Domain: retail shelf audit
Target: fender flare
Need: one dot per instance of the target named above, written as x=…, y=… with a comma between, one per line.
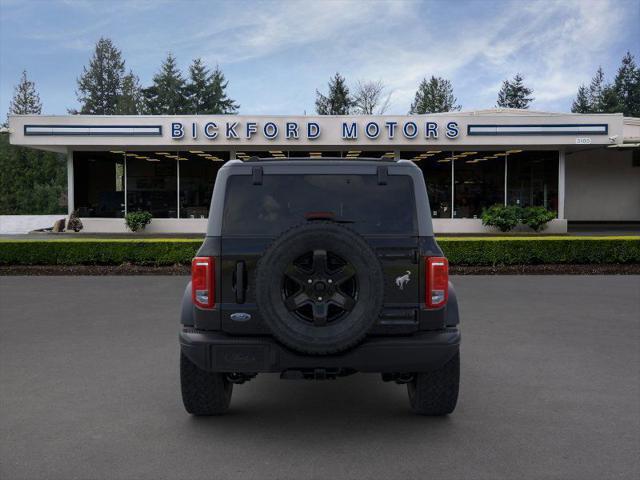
x=452, y=316
x=186, y=311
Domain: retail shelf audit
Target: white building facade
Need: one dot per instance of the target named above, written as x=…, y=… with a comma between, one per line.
x=586, y=168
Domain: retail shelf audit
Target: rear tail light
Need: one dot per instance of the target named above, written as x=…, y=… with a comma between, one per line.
x=437, y=281
x=203, y=281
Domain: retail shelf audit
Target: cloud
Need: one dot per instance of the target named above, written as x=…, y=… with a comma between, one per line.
x=556, y=45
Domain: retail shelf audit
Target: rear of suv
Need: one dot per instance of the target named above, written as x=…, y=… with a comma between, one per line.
x=318, y=269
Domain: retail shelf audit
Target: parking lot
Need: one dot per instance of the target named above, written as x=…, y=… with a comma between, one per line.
x=550, y=388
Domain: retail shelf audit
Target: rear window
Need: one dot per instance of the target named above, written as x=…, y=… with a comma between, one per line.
x=282, y=201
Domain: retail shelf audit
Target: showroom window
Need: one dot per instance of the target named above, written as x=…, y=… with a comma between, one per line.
x=532, y=178
x=152, y=184
x=167, y=184
x=436, y=167
x=478, y=182
x=197, y=171
x=99, y=184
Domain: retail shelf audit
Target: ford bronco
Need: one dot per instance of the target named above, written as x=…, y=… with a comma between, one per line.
x=317, y=269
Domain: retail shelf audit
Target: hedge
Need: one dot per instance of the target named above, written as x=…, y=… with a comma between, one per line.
x=459, y=251
x=540, y=250
x=98, y=252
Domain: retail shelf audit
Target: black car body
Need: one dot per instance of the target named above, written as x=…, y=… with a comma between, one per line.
x=317, y=269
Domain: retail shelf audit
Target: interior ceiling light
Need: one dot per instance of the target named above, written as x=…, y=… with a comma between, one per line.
x=275, y=151
x=500, y=154
x=141, y=157
x=514, y=151
x=444, y=160
x=131, y=154
x=162, y=153
x=354, y=151
x=196, y=151
x=152, y=160
x=116, y=151
x=434, y=151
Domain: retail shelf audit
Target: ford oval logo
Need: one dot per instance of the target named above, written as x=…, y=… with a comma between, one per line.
x=240, y=317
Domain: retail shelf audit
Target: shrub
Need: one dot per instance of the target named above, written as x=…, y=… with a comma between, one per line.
x=503, y=217
x=137, y=220
x=536, y=217
x=75, y=223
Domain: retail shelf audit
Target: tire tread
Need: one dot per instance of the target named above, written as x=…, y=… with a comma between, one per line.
x=435, y=393
x=203, y=392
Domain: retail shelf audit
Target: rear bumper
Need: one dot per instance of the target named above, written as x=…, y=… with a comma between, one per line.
x=416, y=353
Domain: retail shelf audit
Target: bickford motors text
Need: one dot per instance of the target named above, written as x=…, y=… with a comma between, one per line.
x=290, y=130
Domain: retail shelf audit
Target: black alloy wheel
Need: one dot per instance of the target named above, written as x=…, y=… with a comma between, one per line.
x=320, y=287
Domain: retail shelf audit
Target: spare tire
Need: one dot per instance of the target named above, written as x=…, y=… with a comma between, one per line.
x=319, y=288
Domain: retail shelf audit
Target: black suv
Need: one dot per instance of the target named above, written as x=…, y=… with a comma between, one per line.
x=317, y=269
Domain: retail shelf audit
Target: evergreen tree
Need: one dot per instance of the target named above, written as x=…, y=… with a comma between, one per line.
x=433, y=96
x=581, y=104
x=338, y=101
x=130, y=101
x=167, y=95
x=514, y=94
x=31, y=181
x=627, y=86
x=206, y=92
x=596, y=91
x=610, y=101
x=218, y=101
x=196, y=89
x=100, y=85
x=25, y=99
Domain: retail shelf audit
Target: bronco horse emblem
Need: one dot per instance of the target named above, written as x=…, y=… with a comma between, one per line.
x=402, y=280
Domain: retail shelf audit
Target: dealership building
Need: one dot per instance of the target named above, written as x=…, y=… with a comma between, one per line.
x=586, y=168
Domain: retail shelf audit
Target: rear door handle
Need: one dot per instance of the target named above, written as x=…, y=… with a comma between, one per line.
x=240, y=282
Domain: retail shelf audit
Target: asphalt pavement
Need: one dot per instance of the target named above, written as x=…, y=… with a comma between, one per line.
x=550, y=388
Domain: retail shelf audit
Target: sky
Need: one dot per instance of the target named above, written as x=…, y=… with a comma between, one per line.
x=275, y=54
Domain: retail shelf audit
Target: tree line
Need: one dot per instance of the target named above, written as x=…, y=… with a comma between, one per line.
x=33, y=181
x=435, y=95
x=106, y=88
x=621, y=95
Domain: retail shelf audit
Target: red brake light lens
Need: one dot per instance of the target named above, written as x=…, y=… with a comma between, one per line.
x=203, y=281
x=437, y=281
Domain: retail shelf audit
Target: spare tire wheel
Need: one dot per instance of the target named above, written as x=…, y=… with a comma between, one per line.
x=319, y=288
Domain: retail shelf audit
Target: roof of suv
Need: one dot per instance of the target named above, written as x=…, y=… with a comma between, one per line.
x=332, y=161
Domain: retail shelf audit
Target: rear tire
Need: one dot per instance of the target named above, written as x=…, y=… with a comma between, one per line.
x=436, y=393
x=203, y=392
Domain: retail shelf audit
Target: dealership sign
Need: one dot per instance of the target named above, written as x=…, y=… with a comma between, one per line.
x=294, y=130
